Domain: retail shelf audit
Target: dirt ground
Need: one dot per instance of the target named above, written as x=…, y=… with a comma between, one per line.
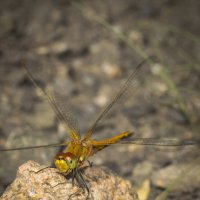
x=83, y=52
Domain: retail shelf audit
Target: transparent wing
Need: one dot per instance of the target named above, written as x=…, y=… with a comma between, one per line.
x=36, y=147
x=70, y=122
x=128, y=86
x=153, y=141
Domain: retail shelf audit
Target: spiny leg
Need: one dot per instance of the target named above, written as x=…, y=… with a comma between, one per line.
x=79, y=190
x=37, y=172
x=82, y=184
x=73, y=176
x=74, y=171
x=90, y=163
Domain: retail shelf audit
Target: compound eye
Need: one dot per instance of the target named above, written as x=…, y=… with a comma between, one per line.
x=71, y=163
x=68, y=160
x=60, y=158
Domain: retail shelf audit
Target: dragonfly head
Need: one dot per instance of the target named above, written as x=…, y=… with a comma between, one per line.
x=66, y=162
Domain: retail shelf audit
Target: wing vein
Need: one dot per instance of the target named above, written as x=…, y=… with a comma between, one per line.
x=116, y=97
x=52, y=102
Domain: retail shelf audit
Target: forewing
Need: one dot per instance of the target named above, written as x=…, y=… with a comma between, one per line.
x=62, y=115
x=68, y=118
x=36, y=147
x=122, y=95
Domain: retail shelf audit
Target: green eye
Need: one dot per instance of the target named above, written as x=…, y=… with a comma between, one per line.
x=72, y=163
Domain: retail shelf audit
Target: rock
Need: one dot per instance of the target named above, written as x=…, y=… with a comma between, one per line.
x=33, y=183
x=183, y=177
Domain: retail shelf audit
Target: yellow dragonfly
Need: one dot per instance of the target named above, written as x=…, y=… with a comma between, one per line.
x=78, y=150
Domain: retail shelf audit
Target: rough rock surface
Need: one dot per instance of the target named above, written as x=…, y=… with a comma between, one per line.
x=33, y=183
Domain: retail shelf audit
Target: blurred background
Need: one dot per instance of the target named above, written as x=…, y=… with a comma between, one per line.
x=83, y=51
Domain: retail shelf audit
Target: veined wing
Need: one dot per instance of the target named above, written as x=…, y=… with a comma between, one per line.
x=69, y=121
x=152, y=141
x=129, y=84
x=36, y=147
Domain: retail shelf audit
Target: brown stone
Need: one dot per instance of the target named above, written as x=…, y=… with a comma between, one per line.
x=47, y=184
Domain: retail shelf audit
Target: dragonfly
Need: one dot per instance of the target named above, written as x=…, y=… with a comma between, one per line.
x=79, y=149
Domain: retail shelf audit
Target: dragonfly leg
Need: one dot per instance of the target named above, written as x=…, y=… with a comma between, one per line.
x=75, y=193
x=59, y=184
x=42, y=169
x=73, y=176
x=82, y=184
x=90, y=163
